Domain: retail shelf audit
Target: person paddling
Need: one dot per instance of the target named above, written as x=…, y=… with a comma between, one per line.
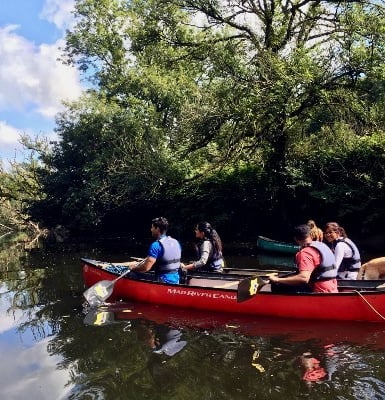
x=163, y=256
x=316, y=266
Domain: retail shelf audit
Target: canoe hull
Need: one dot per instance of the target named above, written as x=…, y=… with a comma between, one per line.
x=345, y=306
x=275, y=246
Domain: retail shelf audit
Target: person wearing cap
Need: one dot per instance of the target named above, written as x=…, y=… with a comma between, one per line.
x=316, y=266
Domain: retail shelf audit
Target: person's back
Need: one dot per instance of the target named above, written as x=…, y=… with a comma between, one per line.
x=322, y=268
x=163, y=256
x=168, y=260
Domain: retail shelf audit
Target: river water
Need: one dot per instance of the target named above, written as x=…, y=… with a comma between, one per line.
x=54, y=347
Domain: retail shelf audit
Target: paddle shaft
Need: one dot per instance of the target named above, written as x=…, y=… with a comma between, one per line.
x=127, y=272
x=124, y=274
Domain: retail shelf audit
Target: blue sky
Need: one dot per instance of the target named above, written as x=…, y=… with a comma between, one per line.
x=33, y=83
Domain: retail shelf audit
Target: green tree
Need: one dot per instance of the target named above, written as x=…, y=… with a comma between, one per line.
x=20, y=187
x=188, y=89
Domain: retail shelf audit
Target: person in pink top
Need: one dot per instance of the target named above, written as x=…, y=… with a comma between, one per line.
x=316, y=267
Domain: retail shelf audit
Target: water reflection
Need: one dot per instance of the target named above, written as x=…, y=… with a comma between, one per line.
x=54, y=348
x=29, y=373
x=279, y=350
x=161, y=339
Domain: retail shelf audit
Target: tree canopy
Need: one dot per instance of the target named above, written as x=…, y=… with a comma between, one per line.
x=217, y=109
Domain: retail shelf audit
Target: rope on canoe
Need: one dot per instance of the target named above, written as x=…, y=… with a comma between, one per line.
x=366, y=301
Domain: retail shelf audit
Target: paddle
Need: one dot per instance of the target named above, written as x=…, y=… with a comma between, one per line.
x=249, y=287
x=102, y=290
x=97, y=316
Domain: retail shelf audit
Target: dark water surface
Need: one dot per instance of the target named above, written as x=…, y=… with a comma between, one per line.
x=53, y=346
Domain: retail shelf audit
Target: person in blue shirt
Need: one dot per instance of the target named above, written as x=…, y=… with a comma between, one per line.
x=163, y=256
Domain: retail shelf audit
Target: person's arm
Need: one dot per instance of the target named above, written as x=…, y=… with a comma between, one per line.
x=145, y=266
x=306, y=260
x=204, y=253
x=154, y=252
x=342, y=250
x=298, y=279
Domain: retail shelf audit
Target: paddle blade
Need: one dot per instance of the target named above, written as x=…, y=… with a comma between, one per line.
x=249, y=287
x=98, y=317
x=99, y=293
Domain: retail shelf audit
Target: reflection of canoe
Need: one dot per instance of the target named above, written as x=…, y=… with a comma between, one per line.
x=219, y=293
x=266, y=244
x=295, y=330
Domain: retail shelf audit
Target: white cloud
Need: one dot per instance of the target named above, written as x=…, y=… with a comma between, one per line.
x=59, y=12
x=32, y=373
x=32, y=77
x=8, y=134
x=8, y=319
x=33, y=82
x=29, y=370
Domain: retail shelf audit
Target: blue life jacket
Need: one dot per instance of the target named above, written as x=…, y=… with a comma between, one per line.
x=170, y=260
x=350, y=263
x=327, y=269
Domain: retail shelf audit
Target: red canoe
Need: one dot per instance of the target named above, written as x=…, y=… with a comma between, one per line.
x=219, y=293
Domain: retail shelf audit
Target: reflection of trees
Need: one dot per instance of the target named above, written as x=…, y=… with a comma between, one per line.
x=115, y=362
x=31, y=286
x=116, y=359
x=21, y=283
x=14, y=250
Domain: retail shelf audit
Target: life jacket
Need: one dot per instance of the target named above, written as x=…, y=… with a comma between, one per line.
x=326, y=269
x=170, y=260
x=215, y=262
x=353, y=263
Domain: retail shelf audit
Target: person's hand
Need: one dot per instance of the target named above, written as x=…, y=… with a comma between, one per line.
x=273, y=278
x=183, y=267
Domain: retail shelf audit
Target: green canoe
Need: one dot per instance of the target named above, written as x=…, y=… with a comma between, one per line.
x=275, y=246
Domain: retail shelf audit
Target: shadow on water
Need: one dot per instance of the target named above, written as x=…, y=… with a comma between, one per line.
x=54, y=346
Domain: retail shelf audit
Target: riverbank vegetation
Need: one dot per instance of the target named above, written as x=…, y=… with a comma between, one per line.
x=252, y=115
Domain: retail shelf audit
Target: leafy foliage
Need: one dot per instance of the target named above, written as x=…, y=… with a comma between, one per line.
x=220, y=109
